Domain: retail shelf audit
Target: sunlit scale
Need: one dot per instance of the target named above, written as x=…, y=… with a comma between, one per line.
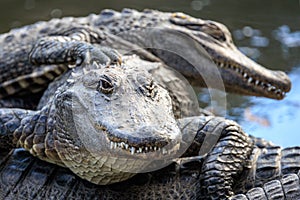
x=249, y=79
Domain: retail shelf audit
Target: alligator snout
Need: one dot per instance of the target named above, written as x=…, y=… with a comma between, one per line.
x=285, y=83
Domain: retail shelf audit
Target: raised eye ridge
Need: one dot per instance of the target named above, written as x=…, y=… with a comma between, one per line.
x=148, y=89
x=105, y=85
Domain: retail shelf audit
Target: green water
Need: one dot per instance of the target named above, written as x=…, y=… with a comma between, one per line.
x=275, y=120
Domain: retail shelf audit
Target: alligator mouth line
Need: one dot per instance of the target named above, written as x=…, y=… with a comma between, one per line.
x=136, y=150
x=266, y=86
x=120, y=143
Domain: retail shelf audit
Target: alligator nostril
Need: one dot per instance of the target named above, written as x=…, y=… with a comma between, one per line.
x=280, y=74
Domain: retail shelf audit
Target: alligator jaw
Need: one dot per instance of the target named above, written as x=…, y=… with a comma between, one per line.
x=149, y=146
x=243, y=76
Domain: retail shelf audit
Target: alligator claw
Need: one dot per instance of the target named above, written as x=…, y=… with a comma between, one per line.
x=100, y=55
x=113, y=55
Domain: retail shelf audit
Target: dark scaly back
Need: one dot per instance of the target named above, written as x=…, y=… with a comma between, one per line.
x=127, y=20
x=24, y=176
x=268, y=163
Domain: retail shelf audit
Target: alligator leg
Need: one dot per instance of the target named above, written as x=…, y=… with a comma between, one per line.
x=234, y=162
x=73, y=46
x=29, y=129
x=228, y=151
x=60, y=49
x=11, y=120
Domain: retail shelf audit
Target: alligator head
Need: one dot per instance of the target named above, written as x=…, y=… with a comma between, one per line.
x=118, y=118
x=184, y=42
x=239, y=73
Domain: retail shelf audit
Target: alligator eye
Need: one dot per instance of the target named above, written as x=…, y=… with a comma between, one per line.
x=208, y=28
x=105, y=85
x=214, y=31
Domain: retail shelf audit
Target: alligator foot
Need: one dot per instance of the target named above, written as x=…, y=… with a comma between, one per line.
x=227, y=149
x=59, y=49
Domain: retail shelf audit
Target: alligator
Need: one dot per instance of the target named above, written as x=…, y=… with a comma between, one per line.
x=26, y=177
x=218, y=158
x=30, y=63
x=202, y=50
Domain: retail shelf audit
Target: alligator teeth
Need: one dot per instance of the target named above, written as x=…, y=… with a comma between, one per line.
x=250, y=80
x=278, y=91
x=270, y=88
x=164, y=151
x=132, y=150
x=122, y=144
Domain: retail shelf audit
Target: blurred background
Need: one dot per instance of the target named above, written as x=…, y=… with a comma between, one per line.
x=267, y=31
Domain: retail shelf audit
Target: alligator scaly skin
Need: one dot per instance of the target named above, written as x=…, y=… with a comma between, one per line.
x=72, y=42
x=23, y=176
x=38, y=131
x=263, y=165
x=185, y=180
x=26, y=177
x=267, y=162
x=204, y=50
